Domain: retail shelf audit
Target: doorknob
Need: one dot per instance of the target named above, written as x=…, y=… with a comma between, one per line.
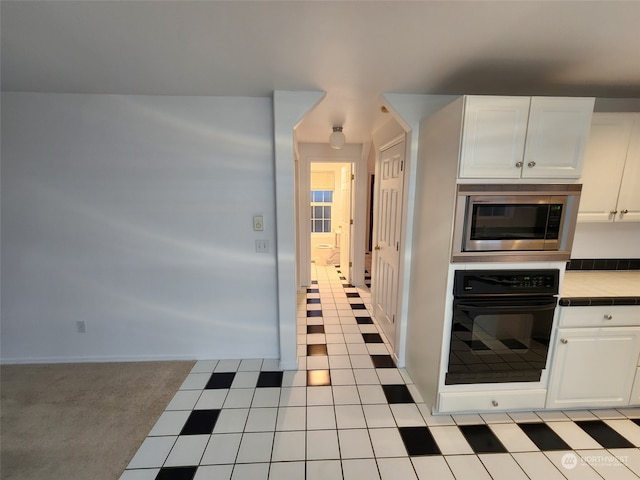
x=377, y=247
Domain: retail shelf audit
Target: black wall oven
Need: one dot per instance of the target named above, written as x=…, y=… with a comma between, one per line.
x=501, y=325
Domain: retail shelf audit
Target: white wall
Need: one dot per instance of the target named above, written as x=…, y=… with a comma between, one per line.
x=607, y=240
x=134, y=214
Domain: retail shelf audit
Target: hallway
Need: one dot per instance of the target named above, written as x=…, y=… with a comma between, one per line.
x=348, y=413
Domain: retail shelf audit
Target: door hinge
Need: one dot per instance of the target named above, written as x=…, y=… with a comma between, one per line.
x=397, y=246
x=401, y=165
x=351, y=222
x=393, y=318
x=351, y=264
x=353, y=176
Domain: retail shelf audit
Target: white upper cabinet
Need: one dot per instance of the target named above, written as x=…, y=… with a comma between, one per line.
x=611, y=175
x=524, y=137
x=493, y=136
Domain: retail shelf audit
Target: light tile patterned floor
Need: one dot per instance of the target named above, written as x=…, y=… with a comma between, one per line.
x=348, y=413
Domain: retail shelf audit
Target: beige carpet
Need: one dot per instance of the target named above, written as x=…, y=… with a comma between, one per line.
x=80, y=421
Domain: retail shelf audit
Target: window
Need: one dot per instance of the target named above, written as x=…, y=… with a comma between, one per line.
x=321, y=211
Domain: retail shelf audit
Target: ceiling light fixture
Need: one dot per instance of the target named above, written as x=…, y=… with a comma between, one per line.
x=336, y=139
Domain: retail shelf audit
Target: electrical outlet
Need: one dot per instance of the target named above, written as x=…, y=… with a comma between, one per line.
x=81, y=326
x=262, y=246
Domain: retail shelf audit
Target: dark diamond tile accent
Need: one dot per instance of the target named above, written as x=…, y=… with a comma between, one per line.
x=313, y=301
x=200, y=422
x=604, y=434
x=482, y=439
x=313, y=290
x=419, y=441
x=358, y=306
x=315, y=328
x=317, y=349
x=314, y=313
x=364, y=321
x=220, y=380
x=347, y=285
x=397, y=394
x=383, y=361
x=270, y=379
x=636, y=421
x=543, y=436
x=352, y=295
x=176, y=473
x=314, y=282
x=372, y=338
x=343, y=278
x=318, y=378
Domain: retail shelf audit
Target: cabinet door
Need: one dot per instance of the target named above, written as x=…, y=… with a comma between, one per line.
x=557, y=136
x=593, y=367
x=604, y=164
x=629, y=200
x=493, y=137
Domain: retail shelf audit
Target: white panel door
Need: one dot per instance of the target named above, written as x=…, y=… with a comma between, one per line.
x=603, y=166
x=345, y=222
x=556, y=137
x=493, y=136
x=386, y=259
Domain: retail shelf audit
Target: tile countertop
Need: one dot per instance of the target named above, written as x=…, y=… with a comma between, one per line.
x=585, y=285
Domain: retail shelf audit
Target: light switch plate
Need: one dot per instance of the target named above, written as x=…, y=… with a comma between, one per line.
x=258, y=223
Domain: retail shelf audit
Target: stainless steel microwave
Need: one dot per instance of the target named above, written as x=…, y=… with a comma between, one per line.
x=512, y=222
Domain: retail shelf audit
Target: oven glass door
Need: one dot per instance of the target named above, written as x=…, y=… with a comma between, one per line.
x=497, y=340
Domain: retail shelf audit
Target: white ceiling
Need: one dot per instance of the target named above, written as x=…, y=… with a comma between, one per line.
x=353, y=50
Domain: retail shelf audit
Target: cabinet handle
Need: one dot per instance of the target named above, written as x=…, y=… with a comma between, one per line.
x=494, y=403
x=563, y=340
x=531, y=164
x=519, y=164
x=608, y=316
x=624, y=212
x=613, y=212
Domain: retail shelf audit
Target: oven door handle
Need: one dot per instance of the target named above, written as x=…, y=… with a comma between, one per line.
x=507, y=308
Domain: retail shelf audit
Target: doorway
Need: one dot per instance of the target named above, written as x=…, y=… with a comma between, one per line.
x=332, y=210
x=330, y=215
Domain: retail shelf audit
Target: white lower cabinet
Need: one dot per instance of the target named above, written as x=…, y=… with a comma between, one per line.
x=594, y=367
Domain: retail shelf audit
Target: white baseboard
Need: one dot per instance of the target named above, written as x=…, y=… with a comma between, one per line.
x=116, y=359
